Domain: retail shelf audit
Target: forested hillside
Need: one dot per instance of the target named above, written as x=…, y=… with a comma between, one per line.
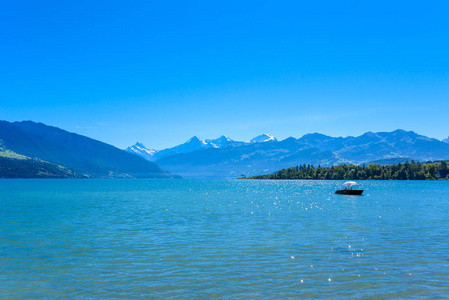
x=32, y=168
x=405, y=171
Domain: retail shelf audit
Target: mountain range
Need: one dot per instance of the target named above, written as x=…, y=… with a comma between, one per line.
x=194, y=144
x=35, y=150
x=265, y=154
x=53, y=152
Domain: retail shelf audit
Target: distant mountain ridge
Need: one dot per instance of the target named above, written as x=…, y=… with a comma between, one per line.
x=193, y=144
x=82, y=155
x=239, y=158
x=263, y=138
x=37, y=150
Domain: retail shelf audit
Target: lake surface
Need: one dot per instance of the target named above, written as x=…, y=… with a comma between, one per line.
x=229, y=239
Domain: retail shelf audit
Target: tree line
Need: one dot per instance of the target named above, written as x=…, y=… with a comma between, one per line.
x=31, y=168
x=405, y=171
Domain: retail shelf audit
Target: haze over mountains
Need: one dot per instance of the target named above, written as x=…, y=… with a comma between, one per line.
x=265, y=154
x=58, y=153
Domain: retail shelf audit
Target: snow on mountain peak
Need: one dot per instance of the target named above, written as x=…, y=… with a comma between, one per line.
x=140, y=145
x=219, y=142
x=194, y=139
x=263, y=138
x=446, y=140
x=141, y=150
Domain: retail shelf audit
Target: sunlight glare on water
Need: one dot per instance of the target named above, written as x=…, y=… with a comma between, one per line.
x=223, y=238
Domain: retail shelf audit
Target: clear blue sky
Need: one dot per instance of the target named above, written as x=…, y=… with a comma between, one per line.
x=160, y=72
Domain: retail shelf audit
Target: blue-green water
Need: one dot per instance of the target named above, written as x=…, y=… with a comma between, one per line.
x=189, y=239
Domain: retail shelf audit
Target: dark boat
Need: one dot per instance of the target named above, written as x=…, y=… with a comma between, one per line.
x=349, y=192
x=348, y=189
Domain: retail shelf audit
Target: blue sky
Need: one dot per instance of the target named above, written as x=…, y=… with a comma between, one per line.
x=160, y=72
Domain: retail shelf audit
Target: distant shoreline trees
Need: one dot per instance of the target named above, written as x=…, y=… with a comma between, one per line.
x=404, y=171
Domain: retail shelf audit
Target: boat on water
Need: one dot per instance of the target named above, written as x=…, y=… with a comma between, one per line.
x=349, y=190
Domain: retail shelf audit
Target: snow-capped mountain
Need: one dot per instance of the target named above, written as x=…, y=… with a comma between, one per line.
x=220, y=142
x=141, y=150
x=446, y=140
x=315, y=149
x=263, y=138
x=225, y=158
x=193, y=144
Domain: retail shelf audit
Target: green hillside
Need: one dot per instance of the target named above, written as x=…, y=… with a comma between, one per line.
x=31, y=168
x=10, y=154
x=82, y=155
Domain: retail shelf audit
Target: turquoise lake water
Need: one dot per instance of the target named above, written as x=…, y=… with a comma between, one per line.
x=231, y=239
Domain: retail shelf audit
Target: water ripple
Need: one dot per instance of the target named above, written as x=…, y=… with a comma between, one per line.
x=189, y=239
